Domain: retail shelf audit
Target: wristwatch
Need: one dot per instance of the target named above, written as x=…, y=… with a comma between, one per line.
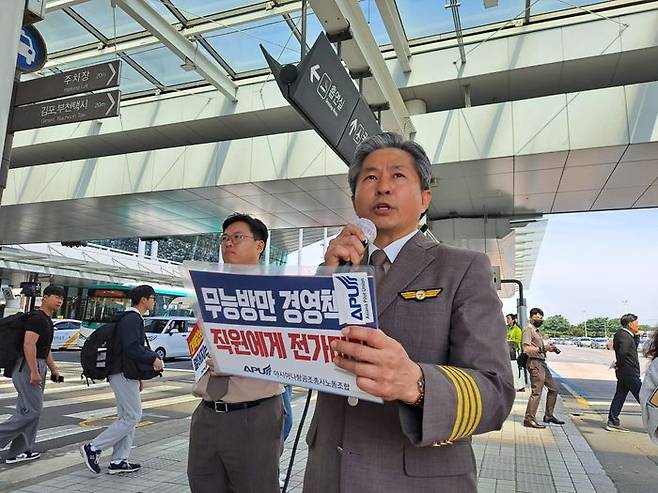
x=421, y=388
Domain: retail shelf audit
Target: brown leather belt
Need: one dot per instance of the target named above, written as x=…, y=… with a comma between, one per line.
x=227, y=407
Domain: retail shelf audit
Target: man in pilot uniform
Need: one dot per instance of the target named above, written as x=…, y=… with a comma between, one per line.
x=439, y=359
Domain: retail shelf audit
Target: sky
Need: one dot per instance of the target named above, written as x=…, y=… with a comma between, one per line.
x=597, y=264
x=589, y=264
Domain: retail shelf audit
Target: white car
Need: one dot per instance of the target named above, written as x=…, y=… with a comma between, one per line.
x=167, y=336
x=67, y=334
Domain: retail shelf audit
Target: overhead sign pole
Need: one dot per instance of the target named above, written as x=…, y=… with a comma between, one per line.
x=10, y=37
x=323, y=93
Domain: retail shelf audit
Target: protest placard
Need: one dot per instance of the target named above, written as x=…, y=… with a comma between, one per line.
x=261, y=323
x=198, y=351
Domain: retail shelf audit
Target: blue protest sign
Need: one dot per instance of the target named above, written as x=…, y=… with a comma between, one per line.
x=280, y=327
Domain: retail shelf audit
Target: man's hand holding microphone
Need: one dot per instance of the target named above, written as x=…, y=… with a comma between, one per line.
x=380, y=363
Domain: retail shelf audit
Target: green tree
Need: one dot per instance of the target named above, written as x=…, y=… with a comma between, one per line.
x=556, y=325
x=596, y=326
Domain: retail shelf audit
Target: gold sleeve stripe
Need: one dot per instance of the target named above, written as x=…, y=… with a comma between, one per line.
x=477, y=414
x=470, y=398
x=469, y=402
x=460, y=402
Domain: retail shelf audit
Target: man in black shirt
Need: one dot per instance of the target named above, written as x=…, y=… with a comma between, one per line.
x=29, y=378
x=627, y=369
x=128, y=344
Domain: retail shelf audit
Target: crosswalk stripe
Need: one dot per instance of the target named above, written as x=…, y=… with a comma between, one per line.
x=67, y=376
x=104, y=396
x=59, y=432
x=111, y=411
x=57, y=389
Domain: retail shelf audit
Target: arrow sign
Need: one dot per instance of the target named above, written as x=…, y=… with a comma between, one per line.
x=112, y=78
x=112, y=102
x=69, y=110
x=353, y=125
x=324, y=94
x=314, y=73
x=85, y=79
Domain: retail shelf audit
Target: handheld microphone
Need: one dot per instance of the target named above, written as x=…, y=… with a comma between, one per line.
x=369, y=230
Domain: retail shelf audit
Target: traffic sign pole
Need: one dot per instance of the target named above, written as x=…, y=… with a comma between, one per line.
x=10, y=28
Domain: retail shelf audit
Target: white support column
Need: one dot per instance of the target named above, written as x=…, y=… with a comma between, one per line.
x=393, y=24
x=141, y=247
x=266, y=253
x=53, y=5
x=325, y=244
x=152, y=21
x=300, y=246
x=10, y=29
x=154, y=249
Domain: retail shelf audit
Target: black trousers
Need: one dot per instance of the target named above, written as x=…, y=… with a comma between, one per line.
x=626, y=382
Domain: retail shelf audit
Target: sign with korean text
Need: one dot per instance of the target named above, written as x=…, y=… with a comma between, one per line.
x=325, y=95
x=70, y=83
x=280, y=327
x=70, y=110
x=198, y=351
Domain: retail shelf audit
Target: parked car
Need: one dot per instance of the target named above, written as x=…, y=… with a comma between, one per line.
x=67, y=334
x=167, y=336
x=584, y=342
x=600, y=343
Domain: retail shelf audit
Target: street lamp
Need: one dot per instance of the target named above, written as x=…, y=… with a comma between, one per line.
x=585, y=322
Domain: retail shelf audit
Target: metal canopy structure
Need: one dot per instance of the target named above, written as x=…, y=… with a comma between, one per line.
x=228, y=32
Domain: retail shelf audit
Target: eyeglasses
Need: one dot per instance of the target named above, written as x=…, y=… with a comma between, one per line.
x=235, y=237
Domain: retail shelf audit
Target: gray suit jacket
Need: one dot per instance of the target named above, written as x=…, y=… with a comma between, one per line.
x=459, y=339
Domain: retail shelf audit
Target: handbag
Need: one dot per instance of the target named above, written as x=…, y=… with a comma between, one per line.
x=512, y=350
x=522, y=360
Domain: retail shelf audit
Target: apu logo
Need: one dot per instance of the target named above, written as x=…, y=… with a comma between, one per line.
x=352, y=285
x=255, y=369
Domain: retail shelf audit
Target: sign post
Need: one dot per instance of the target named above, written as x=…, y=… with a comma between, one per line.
x=69, y=110
x=323, y=93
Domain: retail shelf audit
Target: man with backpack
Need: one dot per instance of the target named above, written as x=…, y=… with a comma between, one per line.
x=29, y=377
x=129, y=363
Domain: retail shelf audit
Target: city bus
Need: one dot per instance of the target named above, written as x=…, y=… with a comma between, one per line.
x=106, y=300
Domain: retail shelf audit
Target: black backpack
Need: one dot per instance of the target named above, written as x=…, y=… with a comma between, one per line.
x=12, y=332
x=96, y=353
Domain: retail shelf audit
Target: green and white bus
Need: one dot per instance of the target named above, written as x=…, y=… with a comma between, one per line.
x=106, y=300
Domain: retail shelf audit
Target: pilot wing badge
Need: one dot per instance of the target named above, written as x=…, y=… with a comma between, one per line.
x=421, y=294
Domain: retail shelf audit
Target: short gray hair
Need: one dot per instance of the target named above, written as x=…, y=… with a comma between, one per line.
x=387, y=140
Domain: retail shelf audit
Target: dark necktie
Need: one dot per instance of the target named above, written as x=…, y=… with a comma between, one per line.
x=380, y=261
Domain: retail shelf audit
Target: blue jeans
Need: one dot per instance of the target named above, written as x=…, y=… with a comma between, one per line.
x=287, y=410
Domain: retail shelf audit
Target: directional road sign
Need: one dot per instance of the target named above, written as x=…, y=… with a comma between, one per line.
x=31, y=54
x=69, y=110
x=322, y=91
x=86, y=79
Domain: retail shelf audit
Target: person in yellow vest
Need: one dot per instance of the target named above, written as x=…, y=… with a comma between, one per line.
x=514, y=334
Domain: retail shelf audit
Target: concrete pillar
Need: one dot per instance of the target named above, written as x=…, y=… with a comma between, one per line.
x=266, y=253
x=154, y=250
x=300, y=246
x=141, y=247
x=11, y=22
x=416, y=106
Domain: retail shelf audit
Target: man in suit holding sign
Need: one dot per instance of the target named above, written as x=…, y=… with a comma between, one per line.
x=439, y=359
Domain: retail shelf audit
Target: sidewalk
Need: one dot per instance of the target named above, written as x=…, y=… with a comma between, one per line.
x=514, y=459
